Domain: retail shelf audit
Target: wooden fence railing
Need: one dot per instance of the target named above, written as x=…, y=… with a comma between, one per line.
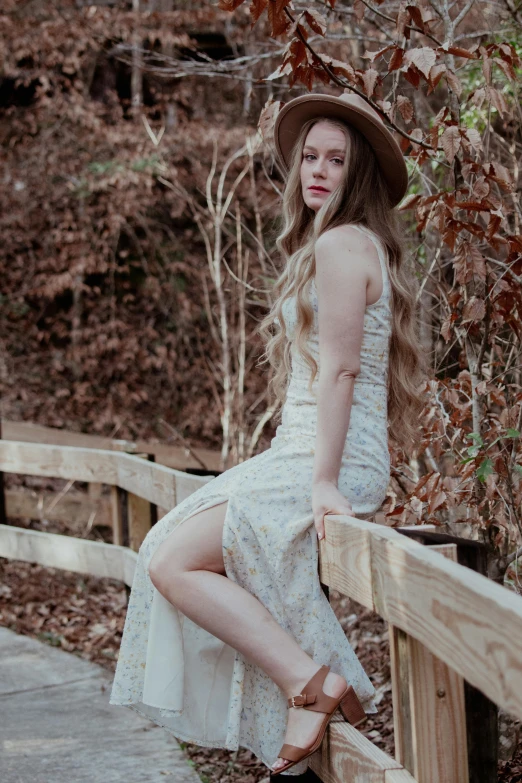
x=448, y=624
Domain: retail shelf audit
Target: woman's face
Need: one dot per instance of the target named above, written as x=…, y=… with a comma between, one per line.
x=322, y=163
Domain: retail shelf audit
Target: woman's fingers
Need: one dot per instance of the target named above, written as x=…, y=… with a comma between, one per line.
x=319, y=526
x=319, y=522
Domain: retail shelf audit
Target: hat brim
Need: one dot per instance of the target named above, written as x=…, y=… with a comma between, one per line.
x=291, y=117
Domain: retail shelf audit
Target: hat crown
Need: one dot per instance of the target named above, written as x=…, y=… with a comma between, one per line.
x=352, y=99
x=353, y=109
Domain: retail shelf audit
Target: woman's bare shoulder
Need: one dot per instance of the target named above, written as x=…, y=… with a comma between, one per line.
x=348, y=237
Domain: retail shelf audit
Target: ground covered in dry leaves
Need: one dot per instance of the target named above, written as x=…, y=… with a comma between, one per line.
x=85, y=615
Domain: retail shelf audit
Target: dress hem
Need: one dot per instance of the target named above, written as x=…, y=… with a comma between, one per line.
x=206, y=743
x=202, y=743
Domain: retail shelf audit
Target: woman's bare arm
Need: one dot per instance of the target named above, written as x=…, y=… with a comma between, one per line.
x=342, y=276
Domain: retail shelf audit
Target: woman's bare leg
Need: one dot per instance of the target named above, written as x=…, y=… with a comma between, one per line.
x=188, y=570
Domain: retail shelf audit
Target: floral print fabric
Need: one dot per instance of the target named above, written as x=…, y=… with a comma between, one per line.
x=190, y=682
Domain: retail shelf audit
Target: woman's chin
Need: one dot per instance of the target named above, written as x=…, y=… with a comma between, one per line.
x=314, y=200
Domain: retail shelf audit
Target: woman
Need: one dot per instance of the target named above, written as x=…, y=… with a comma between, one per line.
x=229, y=639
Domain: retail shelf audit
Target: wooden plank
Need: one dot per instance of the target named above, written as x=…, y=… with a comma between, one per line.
x=74, y=508
x=354, y=561
x=94, y=490
x=438, y=715
x=68, y=553
x=401, y=678
x=177, y=457
x=346, y=755
x=148, y=480
x=465, y=619
x=66, y=462
x=117, y=520
x=398, y=776
x=345, y=559
x=139, y=520
x=156, y=483
x=419, y=528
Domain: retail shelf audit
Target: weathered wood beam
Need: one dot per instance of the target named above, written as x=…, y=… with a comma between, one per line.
x=346, y=755
x=68, y=553
x=471, y=623
x=428, y=708
x=149, y=480
x=173, y=456
x=74, y=508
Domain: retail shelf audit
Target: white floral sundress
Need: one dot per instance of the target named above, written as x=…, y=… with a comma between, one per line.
x=190, y=682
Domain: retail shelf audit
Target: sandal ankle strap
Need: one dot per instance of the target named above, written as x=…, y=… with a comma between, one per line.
x=302, y=699
x=315, y=696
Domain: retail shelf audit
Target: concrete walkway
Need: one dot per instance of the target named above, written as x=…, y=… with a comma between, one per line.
x=57, y=726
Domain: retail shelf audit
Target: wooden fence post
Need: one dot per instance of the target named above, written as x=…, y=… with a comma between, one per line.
x=132, y=516
x=139, y=520
x=428, y=709
x=481, y=712
x=142, y=514
x=117, y=515
x=153, y=506
x=3, y=514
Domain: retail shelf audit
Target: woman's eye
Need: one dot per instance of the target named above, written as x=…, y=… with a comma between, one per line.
x=311, y=155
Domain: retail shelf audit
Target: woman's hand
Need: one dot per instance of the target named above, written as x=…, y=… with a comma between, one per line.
x=326, y=499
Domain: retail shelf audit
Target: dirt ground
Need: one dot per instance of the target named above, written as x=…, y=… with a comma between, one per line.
x=85, y=616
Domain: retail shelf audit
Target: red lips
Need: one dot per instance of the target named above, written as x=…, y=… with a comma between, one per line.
x=317, y=187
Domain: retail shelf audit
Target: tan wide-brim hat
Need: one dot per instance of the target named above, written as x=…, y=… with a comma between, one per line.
x=354, y=110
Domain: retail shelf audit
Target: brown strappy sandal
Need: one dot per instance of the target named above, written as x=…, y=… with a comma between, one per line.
x=314, y=698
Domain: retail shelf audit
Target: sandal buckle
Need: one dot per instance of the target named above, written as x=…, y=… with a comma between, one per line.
x=301, y=700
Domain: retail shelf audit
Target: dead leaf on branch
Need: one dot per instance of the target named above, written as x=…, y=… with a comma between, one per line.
x=436, y=74
x=446, y=330
x=406, y=109
x=506, y=68
x=316, y=21
x=396, y=59
x=498, y=100
x=359, y=8
x=454, y=82
x=458, y=51
x=474, y=310
x=279, y=21
x=402, y=20
x=256, y=9
x=451, y=142
x=368, y=55
x=423, y=58
x=340, y=68
x=370, y=78
x=480, y=188
x=474, y=139
x=231, y=5
x=282, y=70
x=267, y=119
x=421, y=15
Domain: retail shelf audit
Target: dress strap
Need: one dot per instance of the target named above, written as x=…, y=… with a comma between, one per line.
x=380, y=252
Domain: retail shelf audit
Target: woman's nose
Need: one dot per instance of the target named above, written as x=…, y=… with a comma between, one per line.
x=319, y=166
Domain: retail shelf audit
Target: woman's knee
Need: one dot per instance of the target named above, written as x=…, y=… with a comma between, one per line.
x=196, y=544
x=160, y=569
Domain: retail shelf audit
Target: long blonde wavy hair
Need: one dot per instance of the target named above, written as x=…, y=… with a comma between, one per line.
x=362, y=197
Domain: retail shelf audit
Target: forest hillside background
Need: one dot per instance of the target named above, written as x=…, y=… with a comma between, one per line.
x=141, y=202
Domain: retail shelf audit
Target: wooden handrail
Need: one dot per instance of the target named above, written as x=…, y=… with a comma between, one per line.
x=68, y=553
x=153, y=482
x=470, y=622
x=447, y=615
x=177, y=457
